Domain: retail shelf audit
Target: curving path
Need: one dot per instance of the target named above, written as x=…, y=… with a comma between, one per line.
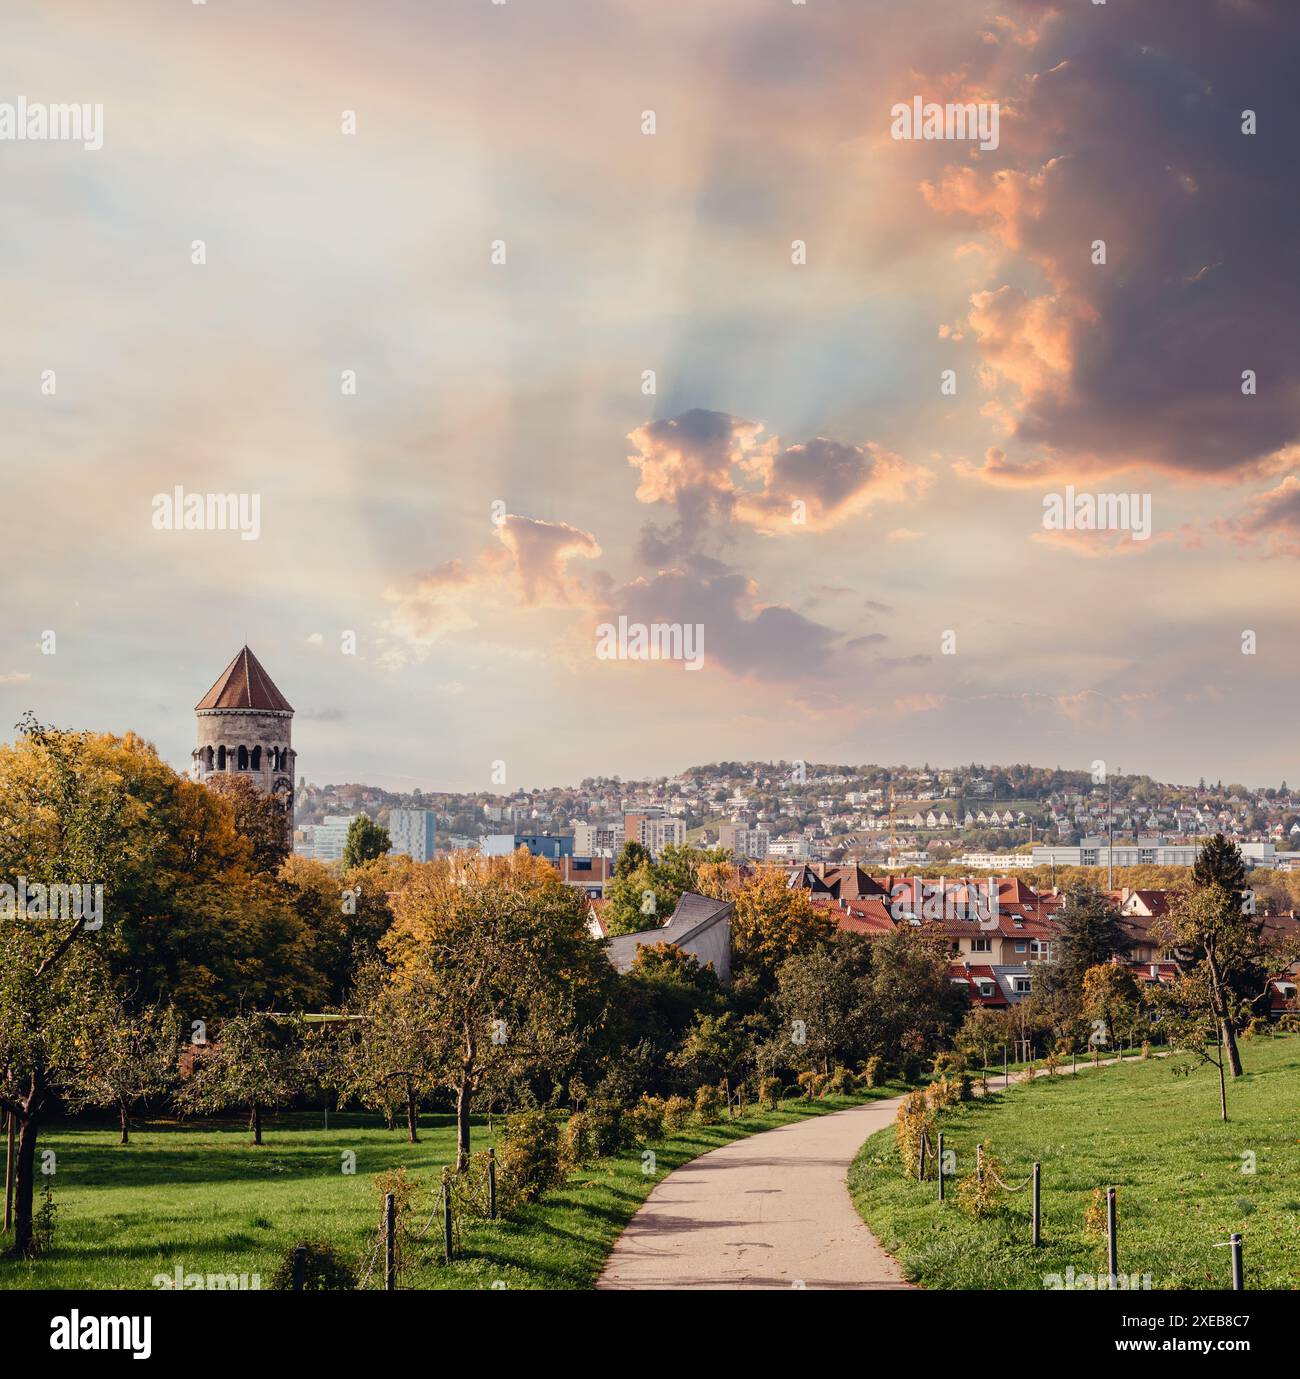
x=768, y=1211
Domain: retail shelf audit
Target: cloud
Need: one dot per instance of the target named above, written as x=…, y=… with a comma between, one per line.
x=1128, y=130
x=710, y=465
x=1272, y=517
x=541, y=552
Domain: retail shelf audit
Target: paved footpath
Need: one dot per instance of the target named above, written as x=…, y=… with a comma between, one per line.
x=768, y=1211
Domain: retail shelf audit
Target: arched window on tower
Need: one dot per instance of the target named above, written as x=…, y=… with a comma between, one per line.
x=243, y=758
x=257, y=758
x=221, y=758
x=208, y=758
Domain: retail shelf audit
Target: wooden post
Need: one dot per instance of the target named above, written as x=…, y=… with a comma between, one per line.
x=1074, y=1059
x=492, y=1184
x=390, y=1242
x=1112, y=1243
x=1238, y=1274
x=299, y=1267
x=1006, y=1080
x=447, y=1246
x=1038, y=1214
x=941, y=1165
x=10, y=1166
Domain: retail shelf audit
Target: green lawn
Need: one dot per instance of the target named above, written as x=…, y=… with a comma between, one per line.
x=200, y=1196
x=1155, y=1136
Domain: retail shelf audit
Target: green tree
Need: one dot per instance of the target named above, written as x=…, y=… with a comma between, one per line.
x=255, y=1063
x=821, y=1001
x=366, y=840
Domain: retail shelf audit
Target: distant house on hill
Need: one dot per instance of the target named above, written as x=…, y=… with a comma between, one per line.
x=699, y=926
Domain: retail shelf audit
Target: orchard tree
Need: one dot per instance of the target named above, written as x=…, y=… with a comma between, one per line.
x=60, y=824
x=255, y=1063
x=123, y=1057
x=498, y=947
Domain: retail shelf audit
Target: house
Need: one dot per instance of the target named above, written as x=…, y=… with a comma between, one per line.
x=698, y=926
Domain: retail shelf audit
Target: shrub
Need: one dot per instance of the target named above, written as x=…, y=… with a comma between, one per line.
x=977, y=1194
x=324, y=1270
x=575, y=1140
x=1258, y=1026
x=608, y=1133
x=942, y=1094
x=873, y=1070
x=528, y=1155
x=948, y=1062
x=909, y=1068
x=1146, y=1048
x=808, y=1082
x=842, y=1082
x=1052, y=1062
x=915, y=1122
x=645, y=1120
x=769, y=1092
x=965, y=1092
x=708, y=1105
x=677, y=1114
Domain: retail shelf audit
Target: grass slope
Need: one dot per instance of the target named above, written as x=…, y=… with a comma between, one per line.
x=1155, y=1136
x=199, y=1195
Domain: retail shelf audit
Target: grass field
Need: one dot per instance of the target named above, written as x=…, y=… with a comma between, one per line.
x=1155, y=1136
x=199, y=1196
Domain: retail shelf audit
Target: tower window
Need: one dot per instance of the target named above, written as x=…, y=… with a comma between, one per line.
x=243, y=758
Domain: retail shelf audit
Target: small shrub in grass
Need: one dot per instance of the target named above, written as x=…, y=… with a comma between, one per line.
x=1289, y=1024
x=608, y=1133
x=324, y=1270
x=1257, y=1027
x=965, y=1091
x=677, y=1114
x=1146, y=1048
x=943, y=1093
x=1094, y=1218
x=873, y=1070
x=708, y=1105
x=769, y=1093
x=948, y=1063
x=528, y=1155
x=915, y=1120
x=575, y=1140
x=807, y=1081
x=645, y=1120
x=1052, y=1063
x=978, y=1193
x=842, y=1083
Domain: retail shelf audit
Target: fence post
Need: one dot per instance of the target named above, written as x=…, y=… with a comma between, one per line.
x=1006, y=1080
x=1112, y=1243
x=299, y=1267
x=979, y=1163
x=1074, y=1059
x=492, y=1184
x=447, y=1247
x=1238, y=1274
x=1038, y=1215
x=941, y=1165
x=390, y=1242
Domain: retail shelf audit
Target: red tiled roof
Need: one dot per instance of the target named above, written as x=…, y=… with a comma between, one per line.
x=244, y=685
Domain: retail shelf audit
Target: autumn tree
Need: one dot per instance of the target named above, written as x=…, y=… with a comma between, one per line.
x=259, y=819
x=499, y=948
x=771, y=922
x=1110, y=1001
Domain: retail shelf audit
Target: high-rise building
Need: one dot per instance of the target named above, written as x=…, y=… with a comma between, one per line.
x=413, y=832
x=653, y=831
x=596, y=840
x=745, y=842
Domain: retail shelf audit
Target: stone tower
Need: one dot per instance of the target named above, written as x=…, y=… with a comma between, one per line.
x=245, y=728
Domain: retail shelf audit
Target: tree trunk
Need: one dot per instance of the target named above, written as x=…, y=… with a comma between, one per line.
x=25, y=1185
x=463, y=1095
x=1228, y=1037
x=255, y=1123
x=1223, y=1090
x=125, y=1123
x=411, y=1115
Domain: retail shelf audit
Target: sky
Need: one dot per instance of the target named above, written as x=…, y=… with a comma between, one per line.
x=520, y=318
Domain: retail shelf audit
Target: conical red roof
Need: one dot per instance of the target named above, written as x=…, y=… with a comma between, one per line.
x=244, y=685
